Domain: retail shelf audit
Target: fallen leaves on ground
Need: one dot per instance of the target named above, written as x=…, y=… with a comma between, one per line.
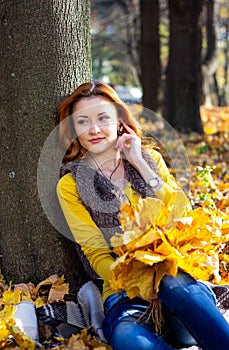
x=52, y=289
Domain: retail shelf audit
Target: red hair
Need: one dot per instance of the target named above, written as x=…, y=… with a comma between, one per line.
x=86, y=90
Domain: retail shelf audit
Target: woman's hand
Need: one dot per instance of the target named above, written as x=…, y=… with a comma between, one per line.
x=130, y=144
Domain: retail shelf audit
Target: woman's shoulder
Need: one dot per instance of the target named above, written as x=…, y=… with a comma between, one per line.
x=69, y=167
x=66, y=179
x=66, y=182
x=153, y=153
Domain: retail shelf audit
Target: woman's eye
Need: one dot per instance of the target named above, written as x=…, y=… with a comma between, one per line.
x=103, y=117
x=82, y=122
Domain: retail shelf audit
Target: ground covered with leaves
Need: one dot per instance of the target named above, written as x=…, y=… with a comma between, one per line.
x=201, y=238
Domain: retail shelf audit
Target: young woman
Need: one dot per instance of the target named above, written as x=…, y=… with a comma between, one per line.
x=104, y=166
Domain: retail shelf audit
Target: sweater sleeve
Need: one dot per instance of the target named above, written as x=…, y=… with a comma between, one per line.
x=170, y=193
x=84, y=229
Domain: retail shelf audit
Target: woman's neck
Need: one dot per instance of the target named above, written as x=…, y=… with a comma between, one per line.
x=104, y=160
x=109, y=165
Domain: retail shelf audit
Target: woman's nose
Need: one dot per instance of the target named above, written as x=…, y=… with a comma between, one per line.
x=94, y=128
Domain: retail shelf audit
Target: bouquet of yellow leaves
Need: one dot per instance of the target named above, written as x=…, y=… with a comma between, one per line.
x=152, y=247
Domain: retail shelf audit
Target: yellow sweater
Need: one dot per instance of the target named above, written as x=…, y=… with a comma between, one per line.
x=88, y=235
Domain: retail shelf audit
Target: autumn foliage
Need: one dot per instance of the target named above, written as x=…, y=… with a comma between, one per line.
x=148, y=251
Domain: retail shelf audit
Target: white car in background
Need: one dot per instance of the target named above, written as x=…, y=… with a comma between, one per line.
x=127, y=94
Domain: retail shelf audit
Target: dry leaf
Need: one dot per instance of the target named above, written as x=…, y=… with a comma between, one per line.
x=57, y=292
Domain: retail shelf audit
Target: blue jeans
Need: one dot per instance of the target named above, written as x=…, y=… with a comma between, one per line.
x=190, y=313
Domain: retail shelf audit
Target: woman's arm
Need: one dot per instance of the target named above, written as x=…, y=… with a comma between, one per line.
x=165, y=188
x=170, y=193
x=83, y=228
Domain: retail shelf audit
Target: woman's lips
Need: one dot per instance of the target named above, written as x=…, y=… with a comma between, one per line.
x=97, y=140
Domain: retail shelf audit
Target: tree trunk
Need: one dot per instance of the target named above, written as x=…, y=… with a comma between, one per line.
x=45, y=54
x=150, y=55
x=210, y=61
x=224, y=93
x=183, y=74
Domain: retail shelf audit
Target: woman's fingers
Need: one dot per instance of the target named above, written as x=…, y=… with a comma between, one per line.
x=130, y=145
x=125, y=141
x=128, y=129
x=127, y=138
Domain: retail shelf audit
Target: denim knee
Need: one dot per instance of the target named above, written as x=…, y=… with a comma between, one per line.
x=124, y=313
x=127, y=325
x=130, y=335
x=175, y=289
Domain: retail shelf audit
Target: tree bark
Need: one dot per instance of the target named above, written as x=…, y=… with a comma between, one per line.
x=210, y=61
x=223, y=95
x=150, y=53
x=183, y=74
x=45, y=54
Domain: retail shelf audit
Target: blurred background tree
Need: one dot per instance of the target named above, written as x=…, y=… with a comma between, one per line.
x=175, y=51
x=116, y=41
x=183, y=71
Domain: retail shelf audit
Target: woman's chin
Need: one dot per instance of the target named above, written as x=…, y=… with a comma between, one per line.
x=101, y=147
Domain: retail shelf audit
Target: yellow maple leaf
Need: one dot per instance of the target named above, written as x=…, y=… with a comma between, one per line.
x=162, y=217
x=196, y=265
x=7, y=311
x=131, y=236
x=168, y=267
x=146, y=239
x=164, y=249
x=177, y=206
x=117, y=240
x=138, y=279
x=11, y=297
x=26, y=296
x=22, y=339
x=140, y=215
x=224, y=257
x=4, y=333
x=148, y=211
x=119, y=269
x=148, y=257
x=40, y=302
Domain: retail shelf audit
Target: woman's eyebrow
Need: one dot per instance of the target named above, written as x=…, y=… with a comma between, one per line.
x=85, y=116
x=81, y=116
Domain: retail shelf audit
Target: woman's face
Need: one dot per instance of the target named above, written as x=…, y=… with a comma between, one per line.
x=95, y=120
